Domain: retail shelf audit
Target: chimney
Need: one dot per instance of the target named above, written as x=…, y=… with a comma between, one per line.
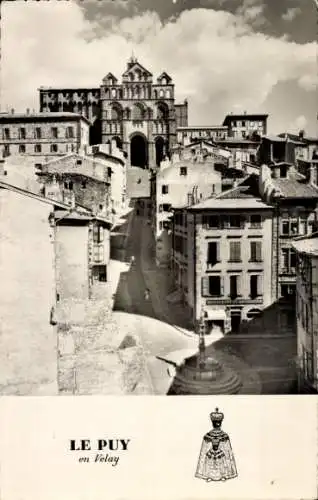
x=313, y=174
x=12, y=111
x=28, y=111
x=190, y=199
x=301, y=134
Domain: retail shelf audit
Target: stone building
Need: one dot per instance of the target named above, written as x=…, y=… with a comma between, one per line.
x=294, y=199
x=138, y=112
x=82, y=253
x=243, y=151
x=245, y=126
x=187, y=134
x=79, y=180
x=226, y=254
x=306, y=249
x=42, y=135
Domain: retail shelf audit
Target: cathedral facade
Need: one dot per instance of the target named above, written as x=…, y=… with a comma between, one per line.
x=138, y=112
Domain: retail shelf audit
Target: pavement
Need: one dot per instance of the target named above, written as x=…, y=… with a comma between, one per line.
x=91, y=336
x=264, y=352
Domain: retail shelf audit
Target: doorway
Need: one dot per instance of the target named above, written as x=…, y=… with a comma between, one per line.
x=236, y=318
x=160, y=150
x=138, y=151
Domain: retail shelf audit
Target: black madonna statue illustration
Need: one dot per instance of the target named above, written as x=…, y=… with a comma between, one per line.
x=216, y=460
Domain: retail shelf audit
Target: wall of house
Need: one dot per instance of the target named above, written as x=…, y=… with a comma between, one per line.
x=64, y=143
x=72, y=261
x=28, y=345
x=224, y=268
x=307, y=313
x=208, y=182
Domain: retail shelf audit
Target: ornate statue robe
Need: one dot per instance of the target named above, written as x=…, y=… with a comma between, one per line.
x=216, y=460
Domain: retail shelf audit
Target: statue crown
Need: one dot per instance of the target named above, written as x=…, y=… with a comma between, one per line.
x=216, y=416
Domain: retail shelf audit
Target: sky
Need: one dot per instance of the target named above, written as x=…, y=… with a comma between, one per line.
x=223, y=55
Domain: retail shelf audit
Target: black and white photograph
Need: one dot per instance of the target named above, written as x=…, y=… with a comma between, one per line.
x=158, y=237
x=159, y=220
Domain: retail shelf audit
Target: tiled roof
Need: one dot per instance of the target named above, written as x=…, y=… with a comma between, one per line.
x=307, y=245
x=295, y=188
x=237, y=193
x=229, y=204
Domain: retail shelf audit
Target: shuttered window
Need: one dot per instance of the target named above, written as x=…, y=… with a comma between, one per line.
x=256, y=286
x=212, y=286
x=98, y=253
x=235, y=251
x=98, y=234
x=213, y=252
x=256, y=251
x=235, y=286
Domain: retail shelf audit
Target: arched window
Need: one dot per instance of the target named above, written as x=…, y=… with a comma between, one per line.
x=155, y=93
x=162, y=111
x=116, y=112
x=137, y=92
x=168, y=94
x=164, y=81
x=161, y=93
x=114, y=93
x=138, y=112
x=127, y=114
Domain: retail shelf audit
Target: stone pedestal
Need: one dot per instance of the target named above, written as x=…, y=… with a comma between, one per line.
x=209, y=377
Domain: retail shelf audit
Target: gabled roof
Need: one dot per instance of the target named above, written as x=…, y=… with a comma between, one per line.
x=244, y=195
x=134, y=66
x=307, y=244
x=295, y=188
x=164, y=75
x=24, y=192
x=110, y=76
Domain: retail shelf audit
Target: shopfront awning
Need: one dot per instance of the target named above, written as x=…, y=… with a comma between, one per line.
x=215, y=314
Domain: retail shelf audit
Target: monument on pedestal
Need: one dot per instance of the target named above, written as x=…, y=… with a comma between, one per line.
x=205, y=374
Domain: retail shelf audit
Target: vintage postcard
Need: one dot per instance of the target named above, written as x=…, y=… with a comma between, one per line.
x=159, y=237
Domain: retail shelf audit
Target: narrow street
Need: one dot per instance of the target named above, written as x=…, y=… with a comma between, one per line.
x=264, y=359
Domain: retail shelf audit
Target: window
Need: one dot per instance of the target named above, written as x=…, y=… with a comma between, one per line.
x=290, y=227
x=69, y=133
x=53, y=148
x=98, y=253
x=288, y=256
x=6, y=150
x=235, y=221
x=38, y=148
x=54, y=132
x=211, y=221
x=68, y=185
x=6, y=134
x=213, y=252
x=256, y=221
x=235, y=251
x=215, y=286
x=287, y=291
x=283, y=171
x=109, y=171
x=255, y=286
x=256, y=251
x=234, y=286
x=21, y=148
x=22, y=134
x=78, y=162
x=84, y=184
x=98, y=234
x=38, y=133
x=164, y=189
x=166, y=207
x=183, y=171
